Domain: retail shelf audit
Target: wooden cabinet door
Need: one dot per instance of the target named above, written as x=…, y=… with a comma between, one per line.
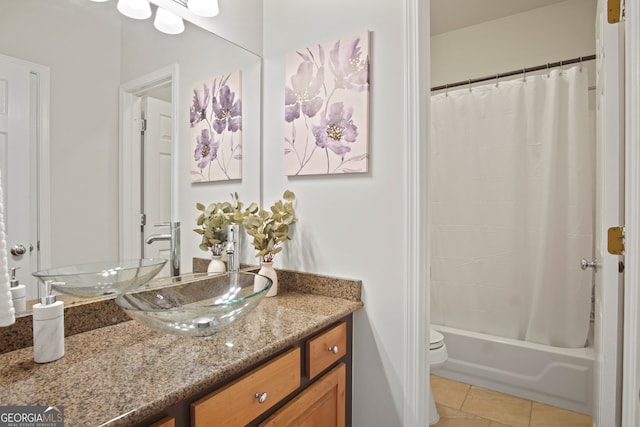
x=321, y=405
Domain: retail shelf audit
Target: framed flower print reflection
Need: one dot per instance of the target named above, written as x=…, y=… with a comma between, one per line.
x=216, y=129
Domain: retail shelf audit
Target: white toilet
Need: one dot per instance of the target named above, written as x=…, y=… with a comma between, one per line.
x=437, y=356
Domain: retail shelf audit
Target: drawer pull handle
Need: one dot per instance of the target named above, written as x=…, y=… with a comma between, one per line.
x=334, y=349
x=262, y=397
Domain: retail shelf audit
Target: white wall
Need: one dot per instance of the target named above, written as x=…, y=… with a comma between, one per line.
x=83, y=147
x=561, y=31
x=239, y=21
x=350, y=225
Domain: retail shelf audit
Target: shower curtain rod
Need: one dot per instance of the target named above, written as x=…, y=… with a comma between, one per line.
x=515, y=72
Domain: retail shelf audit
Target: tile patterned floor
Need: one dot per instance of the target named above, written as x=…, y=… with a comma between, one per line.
x=464, y=405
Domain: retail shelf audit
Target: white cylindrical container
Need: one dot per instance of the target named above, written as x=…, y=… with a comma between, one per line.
x=18, y=296
x=216, y=265
x=48, y=328
x=268, y=270
x=18, y=293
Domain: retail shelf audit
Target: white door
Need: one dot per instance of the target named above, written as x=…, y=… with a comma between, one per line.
x=157, y=145
x=15, y=165
x=609, y=212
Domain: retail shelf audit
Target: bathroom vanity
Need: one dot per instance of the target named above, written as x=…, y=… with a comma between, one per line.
x=289, y=359
x=306, y=382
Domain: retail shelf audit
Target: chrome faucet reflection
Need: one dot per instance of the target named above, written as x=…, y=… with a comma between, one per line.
x=233, y=255
x=174, y=238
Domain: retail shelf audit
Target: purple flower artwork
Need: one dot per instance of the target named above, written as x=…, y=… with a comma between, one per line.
x=326, y=108
x=216, y=129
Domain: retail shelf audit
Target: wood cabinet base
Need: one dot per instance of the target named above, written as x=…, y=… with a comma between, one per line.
x=322, y=404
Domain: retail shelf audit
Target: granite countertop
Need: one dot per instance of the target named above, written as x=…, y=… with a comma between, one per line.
x=122, y=374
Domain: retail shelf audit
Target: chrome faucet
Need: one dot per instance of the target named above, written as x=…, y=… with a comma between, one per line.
x=174, y=238
x=233, y=255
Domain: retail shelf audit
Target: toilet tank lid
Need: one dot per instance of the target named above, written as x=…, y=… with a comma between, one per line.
x=435, y=336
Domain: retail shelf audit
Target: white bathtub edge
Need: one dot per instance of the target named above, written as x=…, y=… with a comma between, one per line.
x=560, y=377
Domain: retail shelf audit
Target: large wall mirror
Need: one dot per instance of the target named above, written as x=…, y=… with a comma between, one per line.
x=79, y=56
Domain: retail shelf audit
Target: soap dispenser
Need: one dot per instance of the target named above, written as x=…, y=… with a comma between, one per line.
x=18, y=292
x=48, y=327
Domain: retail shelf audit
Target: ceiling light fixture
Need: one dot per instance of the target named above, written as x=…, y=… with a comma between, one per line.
x=165, y=21
x=168, y=22
x=204, y=8
x=136, y=9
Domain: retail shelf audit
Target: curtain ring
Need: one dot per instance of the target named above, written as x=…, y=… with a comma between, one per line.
x=524, y=74
x=446, y=89
x=469, y=83
x=548, y=71
x=581, y=64
x=561, y=64
x=497, y=77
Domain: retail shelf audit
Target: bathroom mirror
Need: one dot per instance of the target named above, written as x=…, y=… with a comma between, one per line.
x=90, y=52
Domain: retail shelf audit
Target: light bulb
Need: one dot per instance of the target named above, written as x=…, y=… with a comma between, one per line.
x=136, y=9
x=168, y=22
x=204, y=8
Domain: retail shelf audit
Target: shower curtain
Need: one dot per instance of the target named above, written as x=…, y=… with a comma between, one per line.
x=512, y=183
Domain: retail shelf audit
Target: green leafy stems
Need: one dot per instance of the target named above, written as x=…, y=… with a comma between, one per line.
x=269, y=229
x=215, y=218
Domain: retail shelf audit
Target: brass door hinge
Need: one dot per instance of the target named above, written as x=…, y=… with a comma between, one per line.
x=613, y=11
x=615, y=240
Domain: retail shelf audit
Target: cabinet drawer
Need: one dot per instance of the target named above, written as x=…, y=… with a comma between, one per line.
x=325, y=349
x=237, y=404
x=165, y=422
x=322, y=404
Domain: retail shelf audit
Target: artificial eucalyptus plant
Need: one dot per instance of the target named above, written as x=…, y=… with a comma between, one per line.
x=270, y=229
x=215, y=218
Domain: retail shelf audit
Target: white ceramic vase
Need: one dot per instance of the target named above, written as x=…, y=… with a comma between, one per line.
x=267, y=269
x=216, y=265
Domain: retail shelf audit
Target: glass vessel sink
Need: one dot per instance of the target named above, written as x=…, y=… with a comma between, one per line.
x=102, y=278
x=195, y=304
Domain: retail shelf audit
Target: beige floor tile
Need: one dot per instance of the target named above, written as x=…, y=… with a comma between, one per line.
x=448, y=392
x=450, y=417
x=500, y=407
x=549, y=416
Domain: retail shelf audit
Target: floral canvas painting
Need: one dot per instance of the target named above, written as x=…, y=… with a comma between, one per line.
x=216, y=129
x=327, y=108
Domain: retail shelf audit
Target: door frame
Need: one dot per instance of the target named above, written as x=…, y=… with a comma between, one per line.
x=416, y=372
x=607, y=366
x=42, y=160
x=631, y=349
x=129, y=152
x=416, y=324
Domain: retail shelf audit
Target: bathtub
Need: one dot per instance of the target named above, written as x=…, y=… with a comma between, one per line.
x=556, y=376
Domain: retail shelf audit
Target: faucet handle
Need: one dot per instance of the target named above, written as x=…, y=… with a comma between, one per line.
x=232, y=233
x=168, y=224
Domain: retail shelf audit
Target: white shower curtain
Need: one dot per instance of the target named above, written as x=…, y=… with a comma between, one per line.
x=512, y=208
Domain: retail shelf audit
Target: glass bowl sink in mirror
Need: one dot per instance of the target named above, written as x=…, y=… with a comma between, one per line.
x=102, y=278
x=195, y=304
